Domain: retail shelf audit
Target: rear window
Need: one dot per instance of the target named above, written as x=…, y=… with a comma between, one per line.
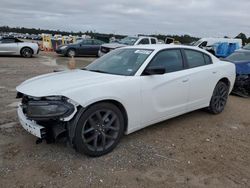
x=197, y=59
x=144, y=41
x=153, y=41
x=208, y=59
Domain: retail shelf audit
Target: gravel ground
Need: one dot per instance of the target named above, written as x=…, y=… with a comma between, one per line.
x=193, y=150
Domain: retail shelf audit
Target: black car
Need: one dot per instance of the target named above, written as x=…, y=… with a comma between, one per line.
x=81, y=47
x=241, y=59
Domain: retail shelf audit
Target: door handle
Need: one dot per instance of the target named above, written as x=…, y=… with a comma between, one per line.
x=214, y=72
x=186, y=80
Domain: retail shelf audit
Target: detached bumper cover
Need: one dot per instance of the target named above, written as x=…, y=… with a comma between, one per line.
x=30, y=126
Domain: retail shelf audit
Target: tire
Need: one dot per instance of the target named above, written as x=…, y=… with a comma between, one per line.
x=27, y=52
x=71, y=53
x=219, y=98
x=99, y=129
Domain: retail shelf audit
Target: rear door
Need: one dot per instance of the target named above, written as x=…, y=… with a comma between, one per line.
x=8, y=46
x=165, y=95
x=96, y=46
x=202, y=78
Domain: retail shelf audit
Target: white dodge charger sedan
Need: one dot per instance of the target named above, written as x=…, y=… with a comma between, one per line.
x=124, y=91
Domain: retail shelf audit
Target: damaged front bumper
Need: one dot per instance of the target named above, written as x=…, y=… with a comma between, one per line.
x=242, y=85
x=32, y=116
x=29, y=125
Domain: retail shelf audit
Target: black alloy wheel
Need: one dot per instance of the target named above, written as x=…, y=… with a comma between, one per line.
x=99, y=129
x=219, y=98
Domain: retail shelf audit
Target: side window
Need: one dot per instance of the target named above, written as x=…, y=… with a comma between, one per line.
x=153, y=41
x=208, y=59
x=195, y=58
x=4, y=41
x=97, y=42
x=144, y=41
x=171, y=60
x=87, y=42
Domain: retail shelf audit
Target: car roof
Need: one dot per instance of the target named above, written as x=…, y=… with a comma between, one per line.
x=163, y=46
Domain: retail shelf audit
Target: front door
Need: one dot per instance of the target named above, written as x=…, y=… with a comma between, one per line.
x=166, y=95
x=8, y=46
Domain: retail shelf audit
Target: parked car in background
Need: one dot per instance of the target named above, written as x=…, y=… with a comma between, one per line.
x=241, y=59
x=14, y=46
x=81, y=47
x=124, y=91
x=212, y=45
x=127, y=41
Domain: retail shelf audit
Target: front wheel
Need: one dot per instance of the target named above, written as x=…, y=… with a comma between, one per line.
x=219, y=98
x=99, y=129
x=71, y=53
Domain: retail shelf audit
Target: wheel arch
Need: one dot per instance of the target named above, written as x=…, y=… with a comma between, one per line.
x=81, y=109
x=226, y=81
x=119, y=105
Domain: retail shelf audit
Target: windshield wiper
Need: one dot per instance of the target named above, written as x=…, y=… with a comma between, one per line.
x=100, y=71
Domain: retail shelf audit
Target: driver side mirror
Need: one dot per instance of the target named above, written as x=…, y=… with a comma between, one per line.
x=154, y=70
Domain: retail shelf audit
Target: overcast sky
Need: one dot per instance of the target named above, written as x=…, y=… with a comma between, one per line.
x=200, y=18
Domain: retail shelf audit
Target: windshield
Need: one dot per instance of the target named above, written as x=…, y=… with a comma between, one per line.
x=128, y=40
x=120, y=61
x=239, y=56
x=247, y=47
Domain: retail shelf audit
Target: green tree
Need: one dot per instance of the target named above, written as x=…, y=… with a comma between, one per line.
x=243, y=37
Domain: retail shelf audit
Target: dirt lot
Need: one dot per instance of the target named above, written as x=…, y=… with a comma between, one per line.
x=194, y=150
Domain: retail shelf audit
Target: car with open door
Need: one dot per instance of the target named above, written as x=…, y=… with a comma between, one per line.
x=124, y=91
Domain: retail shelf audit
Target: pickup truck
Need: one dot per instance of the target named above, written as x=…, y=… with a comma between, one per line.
x=127, y=41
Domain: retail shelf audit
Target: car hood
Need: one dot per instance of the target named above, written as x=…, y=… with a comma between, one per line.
x=64, y=82
x=113, y=45
x=242, y=67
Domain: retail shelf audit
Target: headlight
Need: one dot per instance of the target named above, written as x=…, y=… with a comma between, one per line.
x=40, y=110
x=63, y=47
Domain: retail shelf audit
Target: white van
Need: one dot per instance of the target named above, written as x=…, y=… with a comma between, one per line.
x=208, y=43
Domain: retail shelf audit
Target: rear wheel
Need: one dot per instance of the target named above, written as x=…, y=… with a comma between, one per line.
x=219, y=98
x=99, y=129
x=26, y=52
